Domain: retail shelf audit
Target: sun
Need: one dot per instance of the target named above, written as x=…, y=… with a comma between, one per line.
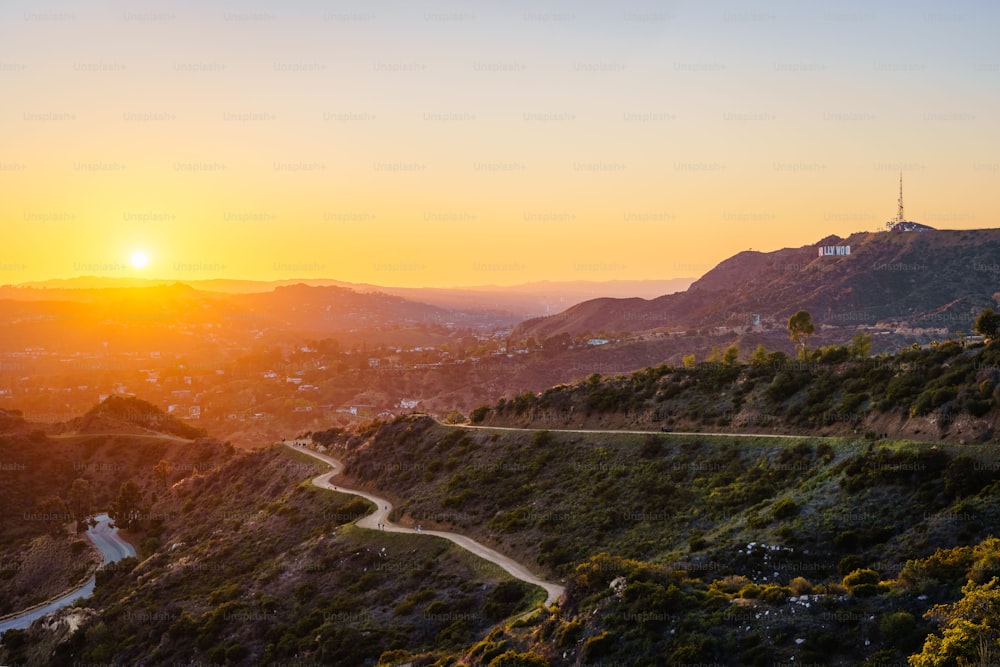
x=139, y=259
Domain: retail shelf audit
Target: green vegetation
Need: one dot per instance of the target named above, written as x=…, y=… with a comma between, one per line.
x=800, y=329
x=81, y=474
x=988, y=324
x=947, y=391
x=674, y=549
x=256, y=566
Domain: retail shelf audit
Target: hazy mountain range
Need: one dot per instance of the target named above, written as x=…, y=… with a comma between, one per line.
x=515, y=301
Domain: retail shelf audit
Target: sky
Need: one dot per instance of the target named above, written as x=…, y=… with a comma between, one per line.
x=473, y=143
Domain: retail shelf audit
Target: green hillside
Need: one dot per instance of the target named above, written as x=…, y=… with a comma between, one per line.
x=947, y=391
x=251, y=565
x=717, y=538
x=49, y=484
x=831, y=540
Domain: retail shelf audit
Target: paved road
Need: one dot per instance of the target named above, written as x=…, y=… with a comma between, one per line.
x=381, y=516
x=112, y=547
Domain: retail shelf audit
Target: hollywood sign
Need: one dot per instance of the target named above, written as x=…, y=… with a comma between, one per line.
x=834, y=250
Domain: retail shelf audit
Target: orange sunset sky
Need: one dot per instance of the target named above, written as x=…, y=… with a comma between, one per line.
x=469, y=143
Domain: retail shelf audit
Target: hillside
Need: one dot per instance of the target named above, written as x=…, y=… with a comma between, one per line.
x=936, y=279
x=124, y=414
x=944, y=392
x=252, y=565
x=703, y=549
x=695, y=549
x=49, y=483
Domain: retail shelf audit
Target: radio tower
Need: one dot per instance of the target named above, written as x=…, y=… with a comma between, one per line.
x=898, y=223
x=899, y=213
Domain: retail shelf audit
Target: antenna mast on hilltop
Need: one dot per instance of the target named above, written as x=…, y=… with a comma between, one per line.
x=899, y=214
x=900, y=223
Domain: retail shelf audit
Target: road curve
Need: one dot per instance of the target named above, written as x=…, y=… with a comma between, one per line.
x=105, y=537
x=381, y=516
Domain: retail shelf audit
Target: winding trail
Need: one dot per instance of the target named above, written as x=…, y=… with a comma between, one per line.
x=381, y=516
x=635, y=432
x=514, y=568
x=112, y=547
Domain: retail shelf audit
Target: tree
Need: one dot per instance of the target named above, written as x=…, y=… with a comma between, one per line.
x=689, y=360
x=161, y=472
x=52, y=511
x=861, y=345
x=127, y=507
x=988, y=325
x=81, y=499
x=731, y=356
x=970, y=629
x=800, y=328
x=759, y=356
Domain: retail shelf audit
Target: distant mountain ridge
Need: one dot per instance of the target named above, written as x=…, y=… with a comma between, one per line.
x=517, y=301
x=936, y=278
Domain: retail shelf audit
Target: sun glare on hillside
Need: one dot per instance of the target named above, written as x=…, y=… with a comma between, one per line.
x=139, y=259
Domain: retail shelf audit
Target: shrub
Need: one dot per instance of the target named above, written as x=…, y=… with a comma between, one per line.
x=897, y=627
x=598, y=645
x=541, y=439
x=504, y=599
x=786, y=383
x=236, y=653
x=730, y=584
x=800, y=586
x=513, y=659
x=864, y=583
x=437, y=608
x=652, y=447
x=849, y=564
x=775, y=594
x=861, y=576
x=785, y=508
x=570, y=635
